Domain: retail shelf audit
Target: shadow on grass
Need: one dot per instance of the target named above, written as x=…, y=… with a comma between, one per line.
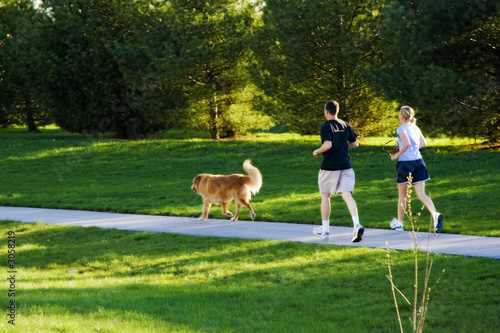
x=224, y=284
x=206, y=283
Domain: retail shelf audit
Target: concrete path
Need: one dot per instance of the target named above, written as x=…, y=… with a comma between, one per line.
x=473, y=246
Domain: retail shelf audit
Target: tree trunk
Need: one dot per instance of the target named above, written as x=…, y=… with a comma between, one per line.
x=30, y=119
x=231, y=133
x=214, y=120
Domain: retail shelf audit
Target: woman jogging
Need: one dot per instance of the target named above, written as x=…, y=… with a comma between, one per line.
x=410, y=140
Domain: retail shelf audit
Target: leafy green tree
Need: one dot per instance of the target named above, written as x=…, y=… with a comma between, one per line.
x=22, y=65
x=103, y=78
x=442, y=57
x=207, y=53
x=311, y=51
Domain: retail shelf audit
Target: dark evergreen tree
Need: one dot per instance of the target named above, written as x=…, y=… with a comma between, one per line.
x=443, y=58
x=208, y=52
x=22, y=65
x=311, y=51
x=103, y=77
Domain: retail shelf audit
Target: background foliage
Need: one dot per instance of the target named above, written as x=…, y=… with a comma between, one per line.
x=310, y=52
x=133, y=68
x=443, y=58
x=21, y=61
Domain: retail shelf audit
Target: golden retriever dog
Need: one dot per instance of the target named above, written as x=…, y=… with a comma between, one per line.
x=222, y=189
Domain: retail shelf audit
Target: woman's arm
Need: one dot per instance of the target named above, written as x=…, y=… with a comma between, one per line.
x=422, y=143
x=402, y=150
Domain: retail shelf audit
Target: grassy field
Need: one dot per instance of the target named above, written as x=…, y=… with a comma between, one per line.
x=74, y=279
x=60, y=170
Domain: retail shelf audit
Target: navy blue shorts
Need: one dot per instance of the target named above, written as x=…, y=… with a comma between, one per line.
x=417, y=169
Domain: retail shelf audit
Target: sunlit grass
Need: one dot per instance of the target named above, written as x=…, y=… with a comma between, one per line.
x=75, y=279
x=60, y=170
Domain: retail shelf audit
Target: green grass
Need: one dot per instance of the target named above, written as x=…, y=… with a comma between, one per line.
x=74, y=279
x=60, y=170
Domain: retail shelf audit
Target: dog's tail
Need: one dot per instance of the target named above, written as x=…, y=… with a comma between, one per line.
x=255, y=182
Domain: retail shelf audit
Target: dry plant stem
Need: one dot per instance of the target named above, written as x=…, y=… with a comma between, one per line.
x=427, y=290
x=409, y=214
x=419, y=307
x=393, y=288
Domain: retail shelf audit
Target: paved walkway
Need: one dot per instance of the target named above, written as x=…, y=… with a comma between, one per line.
x=473, y=246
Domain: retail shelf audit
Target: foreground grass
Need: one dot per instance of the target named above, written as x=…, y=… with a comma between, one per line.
x=60, y=170
x=73, y=279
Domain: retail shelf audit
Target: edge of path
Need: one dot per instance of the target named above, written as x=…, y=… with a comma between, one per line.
x=464, y=245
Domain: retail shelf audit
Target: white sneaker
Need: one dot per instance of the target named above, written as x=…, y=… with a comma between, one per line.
x=396, y=225
x=319, y=232
x=358, y=232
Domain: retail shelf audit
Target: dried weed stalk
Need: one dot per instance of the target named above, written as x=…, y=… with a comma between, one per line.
x=420, y=304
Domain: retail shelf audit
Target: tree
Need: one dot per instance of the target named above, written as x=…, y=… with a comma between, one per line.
x=21, y=66
x=103, y=77
x=443, y=58
x=311, y=51
x=208, y=52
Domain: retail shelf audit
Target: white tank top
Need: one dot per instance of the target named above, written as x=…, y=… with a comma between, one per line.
x=413, y=133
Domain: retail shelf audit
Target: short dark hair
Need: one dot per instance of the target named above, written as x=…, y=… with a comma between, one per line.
x=332, y=107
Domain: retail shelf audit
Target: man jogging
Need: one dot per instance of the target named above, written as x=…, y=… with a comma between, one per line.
x=336, y=174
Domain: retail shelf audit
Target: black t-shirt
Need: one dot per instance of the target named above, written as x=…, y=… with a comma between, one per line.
x=339, y=133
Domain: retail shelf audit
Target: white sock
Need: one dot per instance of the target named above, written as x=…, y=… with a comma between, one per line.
x=436, y=215
x=325, y=224
x=355, y=221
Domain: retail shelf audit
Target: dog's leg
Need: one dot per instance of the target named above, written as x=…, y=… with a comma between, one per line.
x=252, y=213
x=206, y=209
x=244, y=202
x=225, y=211
x=237, y=212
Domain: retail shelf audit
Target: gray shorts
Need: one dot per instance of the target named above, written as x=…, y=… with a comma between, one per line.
x=336, y=181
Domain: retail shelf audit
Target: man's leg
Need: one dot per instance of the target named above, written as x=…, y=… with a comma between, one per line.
x=324, y=230
x=351, y=204
x=325, y=206
x=353, y=209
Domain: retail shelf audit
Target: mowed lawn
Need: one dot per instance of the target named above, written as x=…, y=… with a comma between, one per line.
x=60, y=170
x=73, y=279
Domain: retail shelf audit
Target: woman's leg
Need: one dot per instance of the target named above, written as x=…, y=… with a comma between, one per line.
x=402, y=190
x=420, y=191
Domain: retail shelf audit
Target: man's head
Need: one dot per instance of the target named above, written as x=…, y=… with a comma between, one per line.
x=332, y=108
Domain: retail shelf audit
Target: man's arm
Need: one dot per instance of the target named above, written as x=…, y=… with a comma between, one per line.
x=351, y=145
x=324, y=148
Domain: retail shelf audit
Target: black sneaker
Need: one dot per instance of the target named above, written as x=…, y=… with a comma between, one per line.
x=358, y=232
